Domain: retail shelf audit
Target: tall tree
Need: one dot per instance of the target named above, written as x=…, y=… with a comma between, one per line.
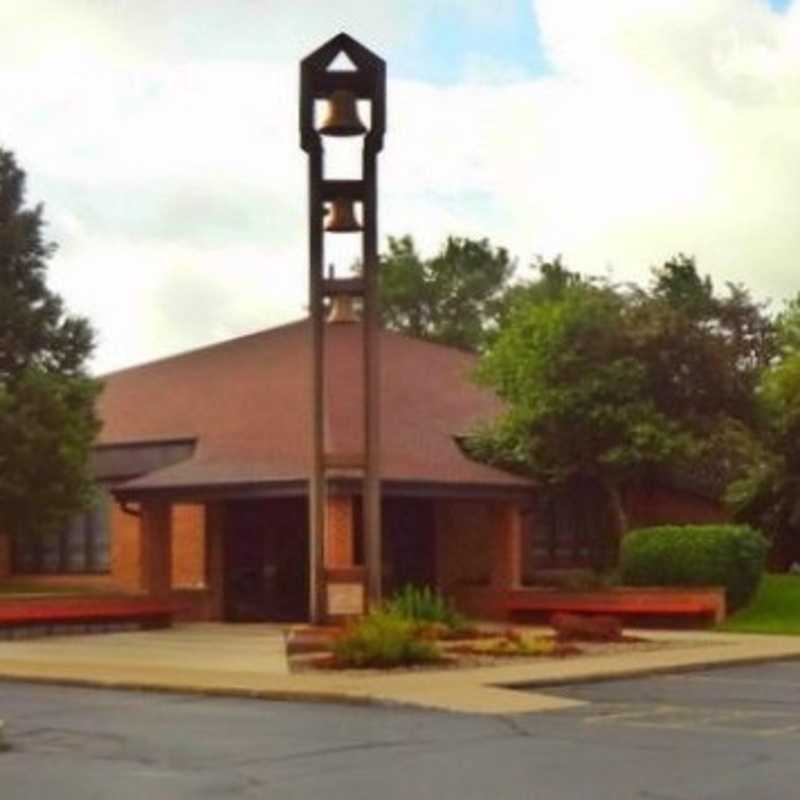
x=577, y=396
x=605, y=385
x=768, y=494
x=47, y=419
x=454, y=298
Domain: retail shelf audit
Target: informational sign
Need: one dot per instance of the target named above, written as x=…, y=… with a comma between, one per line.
x=345, y=599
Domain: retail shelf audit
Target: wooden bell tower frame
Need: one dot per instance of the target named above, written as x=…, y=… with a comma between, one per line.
x=367, y=82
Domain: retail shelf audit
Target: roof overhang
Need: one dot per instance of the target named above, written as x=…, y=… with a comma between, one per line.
x=299, y=488
x=116, y=461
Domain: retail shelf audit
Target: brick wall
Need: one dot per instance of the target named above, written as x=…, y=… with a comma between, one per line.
x=188, y=546
x=658, y=506
x=126, y=568
x=463, y=534
x=339, y=532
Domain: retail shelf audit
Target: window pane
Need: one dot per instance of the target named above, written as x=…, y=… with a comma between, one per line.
x=75, y=541
x=51, y=552
x=100, y=527
x=25, y=554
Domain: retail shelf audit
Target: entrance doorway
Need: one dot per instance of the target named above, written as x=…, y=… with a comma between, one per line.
x=266, y=561
x=409, y=543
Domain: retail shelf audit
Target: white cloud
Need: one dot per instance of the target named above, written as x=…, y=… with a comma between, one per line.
x=168, y=158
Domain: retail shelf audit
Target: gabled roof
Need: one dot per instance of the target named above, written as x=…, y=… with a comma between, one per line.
x=246, y=404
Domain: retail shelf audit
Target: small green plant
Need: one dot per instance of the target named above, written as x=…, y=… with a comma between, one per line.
x=425, y=606
x=383, y=639
x=696, y=555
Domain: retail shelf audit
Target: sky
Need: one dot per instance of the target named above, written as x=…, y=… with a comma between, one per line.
x=161, y=137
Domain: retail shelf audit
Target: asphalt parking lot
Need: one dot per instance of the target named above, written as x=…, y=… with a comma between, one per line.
x=728, y=734
x=759, y=701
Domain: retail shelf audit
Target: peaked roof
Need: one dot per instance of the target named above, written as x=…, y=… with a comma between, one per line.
x=247, y=403
x=323, y=56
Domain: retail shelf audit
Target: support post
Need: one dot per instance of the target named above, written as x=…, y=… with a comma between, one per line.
x=506, y=547
x=156, y=549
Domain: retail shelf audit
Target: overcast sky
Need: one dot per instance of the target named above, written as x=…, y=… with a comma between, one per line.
x=161, y=135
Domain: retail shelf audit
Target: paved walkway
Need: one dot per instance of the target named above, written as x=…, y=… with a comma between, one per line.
x=250, y=660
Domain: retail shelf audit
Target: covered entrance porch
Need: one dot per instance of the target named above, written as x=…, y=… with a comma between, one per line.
x=246, y=559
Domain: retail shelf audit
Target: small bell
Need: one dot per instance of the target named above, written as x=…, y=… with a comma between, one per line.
x=342, y=118
x=343, y=217
x=343, y=309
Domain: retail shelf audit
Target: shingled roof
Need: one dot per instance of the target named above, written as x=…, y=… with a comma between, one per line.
x=246, y=403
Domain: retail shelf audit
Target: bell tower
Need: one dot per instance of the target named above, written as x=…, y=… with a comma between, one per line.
x=340, y=91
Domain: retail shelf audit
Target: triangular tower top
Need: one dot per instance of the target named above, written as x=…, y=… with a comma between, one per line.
x=358, y=55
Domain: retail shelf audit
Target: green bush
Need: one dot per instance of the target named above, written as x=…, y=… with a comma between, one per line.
x=424, y=605
x=696, y=555
x=382, y=639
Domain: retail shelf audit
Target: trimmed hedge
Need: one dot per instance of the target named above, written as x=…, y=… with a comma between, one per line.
x=732, y=556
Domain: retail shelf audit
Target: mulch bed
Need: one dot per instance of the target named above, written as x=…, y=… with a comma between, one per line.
x=471, y=653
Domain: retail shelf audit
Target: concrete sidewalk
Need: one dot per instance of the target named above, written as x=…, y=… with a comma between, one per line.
x=250, y=660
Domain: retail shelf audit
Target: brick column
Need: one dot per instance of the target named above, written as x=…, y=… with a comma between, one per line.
x=344, y=582
x=155, y=549
x=506, y=547
x=339, y=545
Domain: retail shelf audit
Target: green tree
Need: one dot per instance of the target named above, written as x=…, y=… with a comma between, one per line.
x=47, y=419
x=454, y=298
x=578, y=403
x=552, y=280
x=768, y=495
x=606, y=386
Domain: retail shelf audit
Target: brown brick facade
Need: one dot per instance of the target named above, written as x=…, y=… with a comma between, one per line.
x=339, y=532
x=659, y=506
x=188, y=546
x=463, y=533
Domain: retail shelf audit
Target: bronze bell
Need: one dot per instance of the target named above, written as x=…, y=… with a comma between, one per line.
x=342, y=309
x=342, y=117
x=343, y=217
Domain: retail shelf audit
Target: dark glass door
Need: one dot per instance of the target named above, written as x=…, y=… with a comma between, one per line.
x=266, y=561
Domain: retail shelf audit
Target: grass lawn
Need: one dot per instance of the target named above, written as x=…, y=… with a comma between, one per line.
x=775, y=608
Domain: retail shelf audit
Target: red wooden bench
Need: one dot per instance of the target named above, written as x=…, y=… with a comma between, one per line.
x=40, y=612
x=706, y=603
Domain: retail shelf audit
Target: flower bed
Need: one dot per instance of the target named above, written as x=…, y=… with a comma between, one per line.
x=315, y=649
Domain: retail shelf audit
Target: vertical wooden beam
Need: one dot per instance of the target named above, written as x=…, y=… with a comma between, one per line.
x=372, y=492
x=317, y=483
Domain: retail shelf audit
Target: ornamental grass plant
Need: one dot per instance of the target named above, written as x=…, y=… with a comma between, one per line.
x=383, y=639
x=425, y=606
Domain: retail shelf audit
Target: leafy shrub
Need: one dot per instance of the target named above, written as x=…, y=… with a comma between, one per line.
x=424, y=605
x=696, y=555
x=383, y=639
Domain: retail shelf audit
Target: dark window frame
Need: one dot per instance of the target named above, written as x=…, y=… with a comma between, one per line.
x=97, y=553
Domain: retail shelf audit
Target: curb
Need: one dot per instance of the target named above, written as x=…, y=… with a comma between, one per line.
x=646, y=672
x=342, y=698
x=274, y=695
